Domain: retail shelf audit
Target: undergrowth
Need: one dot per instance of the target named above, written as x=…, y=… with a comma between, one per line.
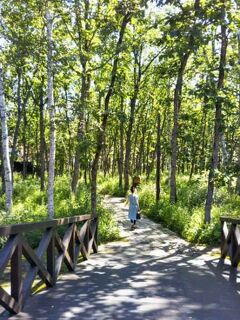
x=186, y=217
x=30, y=205
x=110, y=186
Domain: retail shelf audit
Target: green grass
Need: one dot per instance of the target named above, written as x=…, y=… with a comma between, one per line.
x=110, y=186
x=186, y=217
x=30, y=205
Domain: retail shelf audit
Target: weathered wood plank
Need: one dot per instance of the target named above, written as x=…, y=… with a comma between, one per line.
x=64, y=255
x=71, y=247
x=80, y=234
x=230, y=220
x=7, y=251
x=51, y=259
x=230, y=244
x=25, y=227
x=8, y=302
x=33, y=269
x=73, y=242
x=33, y=259
x=16, y=272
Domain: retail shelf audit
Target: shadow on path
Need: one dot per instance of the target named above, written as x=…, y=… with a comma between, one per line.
x=150, y=274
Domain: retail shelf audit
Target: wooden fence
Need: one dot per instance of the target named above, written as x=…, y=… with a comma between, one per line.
x=230, y=245
x=23, y=264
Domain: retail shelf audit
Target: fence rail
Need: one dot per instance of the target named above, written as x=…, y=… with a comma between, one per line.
x=79, y=236
x=230, y=244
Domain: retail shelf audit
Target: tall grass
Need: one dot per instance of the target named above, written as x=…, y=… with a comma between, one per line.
x=186, y=217
x=30, y=205
x=110, y=186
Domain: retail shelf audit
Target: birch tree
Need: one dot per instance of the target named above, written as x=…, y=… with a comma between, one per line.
x=5, y=148
x=51, y=110
x=238, y=144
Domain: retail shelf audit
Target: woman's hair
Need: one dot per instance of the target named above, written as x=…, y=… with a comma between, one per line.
x=132, y=189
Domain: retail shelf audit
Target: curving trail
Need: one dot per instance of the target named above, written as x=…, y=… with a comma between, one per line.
x=150, y=274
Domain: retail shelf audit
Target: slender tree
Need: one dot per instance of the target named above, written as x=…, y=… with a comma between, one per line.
x=238, y=143
x=177, y=105
x=158, y=149
x=5, y=148
x=51, y=109
x=218, y=114
x=42, y=135
x=101, y=133
x=137, y=74
x=83, y=49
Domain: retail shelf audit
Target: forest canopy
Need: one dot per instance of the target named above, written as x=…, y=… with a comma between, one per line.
x=121, y=89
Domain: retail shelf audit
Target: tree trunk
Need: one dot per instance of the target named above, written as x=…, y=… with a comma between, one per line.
x=2, y=165
x=193, y=160
x=238, y=142
x=218, y=118
x=20, y=107
x=42, y=137
x=141, y=150
x=202, y=159
x=51, y=109
x=69, y=142
x=158, y=149
x=121, y=153
x=85, y=85
x=101, y=133
x=177, y=104
x=137, y=78
x=225, y=153
x=5, y=149
x=81, y=130
x=129, y=142
x=19, y=116
x=115, y=153
x=174, y=146
x=25, y=152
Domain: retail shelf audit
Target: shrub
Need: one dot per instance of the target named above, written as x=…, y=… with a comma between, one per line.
x=30, y=205
x=186, y=217
x=109, y=185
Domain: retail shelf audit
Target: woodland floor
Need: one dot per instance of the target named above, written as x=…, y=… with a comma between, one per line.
x=150, y=274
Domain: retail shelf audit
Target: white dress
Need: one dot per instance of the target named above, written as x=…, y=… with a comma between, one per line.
x=133, y=206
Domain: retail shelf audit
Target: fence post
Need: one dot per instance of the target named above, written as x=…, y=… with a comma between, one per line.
x=234, y=246
x=95, y=242
x=71, y=247
x=51, y=259
x=86, y=239
x=16, y=273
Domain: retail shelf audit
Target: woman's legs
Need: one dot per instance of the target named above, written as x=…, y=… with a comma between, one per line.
x=133, y=223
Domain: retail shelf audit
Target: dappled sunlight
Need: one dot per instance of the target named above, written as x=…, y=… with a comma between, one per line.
x=153, y=275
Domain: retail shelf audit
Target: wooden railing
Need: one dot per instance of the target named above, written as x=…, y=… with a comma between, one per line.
x=230, y=245
x=23, y=264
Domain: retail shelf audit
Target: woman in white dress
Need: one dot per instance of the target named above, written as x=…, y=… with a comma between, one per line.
x=133, y=207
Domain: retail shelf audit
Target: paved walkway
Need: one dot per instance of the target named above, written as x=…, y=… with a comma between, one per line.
x=151, y=274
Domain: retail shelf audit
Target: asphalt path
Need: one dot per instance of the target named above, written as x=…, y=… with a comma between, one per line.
x=149, y=274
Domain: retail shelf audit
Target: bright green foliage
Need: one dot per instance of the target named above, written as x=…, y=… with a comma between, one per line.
x=85, y=34
x=187, y=216
x=109, y=186
x=30, y=205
